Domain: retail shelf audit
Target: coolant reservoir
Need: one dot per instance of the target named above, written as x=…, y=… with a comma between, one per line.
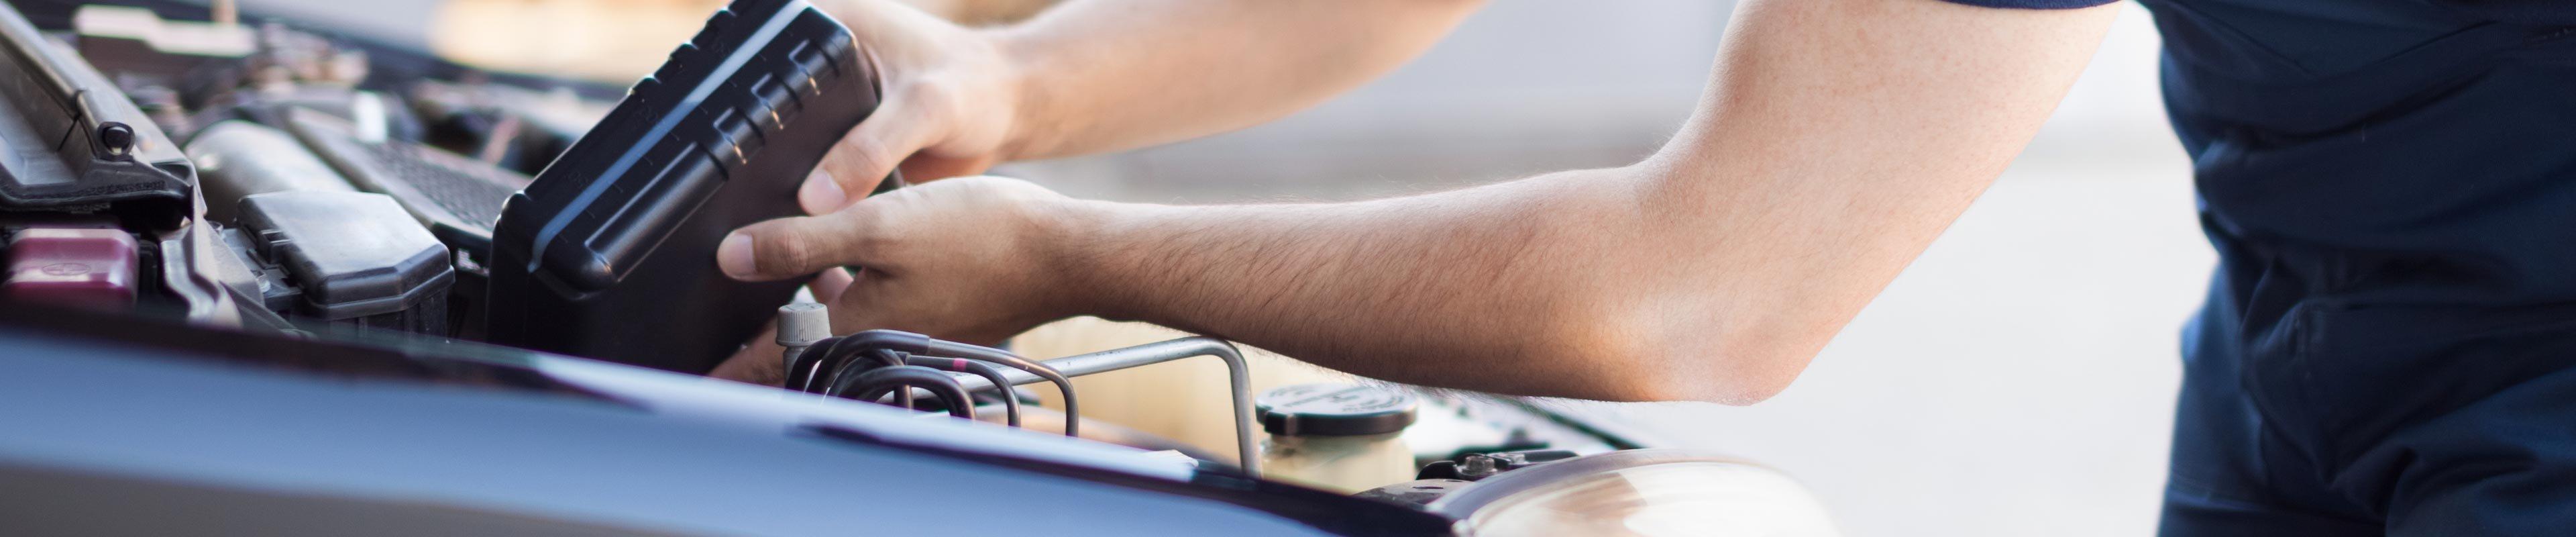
x=1339, y=437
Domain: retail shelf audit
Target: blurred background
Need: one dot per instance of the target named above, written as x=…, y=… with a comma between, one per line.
x=2017, y=380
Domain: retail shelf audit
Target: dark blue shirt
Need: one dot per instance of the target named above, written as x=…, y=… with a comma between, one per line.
x=2391, y=335
x=2356, y=154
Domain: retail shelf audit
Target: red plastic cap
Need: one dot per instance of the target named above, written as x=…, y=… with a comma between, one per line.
x=87, y=268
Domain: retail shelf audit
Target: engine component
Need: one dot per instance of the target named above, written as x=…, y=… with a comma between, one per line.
x=1476, y=466
x=456, y=197
x=88, y=268
x=1010, y=401
x=1415, y=492
x=1638, y=492
x=516, y=128
x=839, y=359
x=71, y=142
x=858, y=363
x=237, y=159
x=801, y=325
x=621, y=230
x=351, y=257
x=1238, y=378
x=144, y=44
x=879, y=382
x=1342, y=437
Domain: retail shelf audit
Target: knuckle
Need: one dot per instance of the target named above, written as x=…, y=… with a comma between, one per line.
x=935, y=90
x=790, y=252
x=864, y=151
x=873, y=232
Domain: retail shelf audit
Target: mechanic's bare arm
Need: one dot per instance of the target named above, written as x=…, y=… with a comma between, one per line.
x=1837, y=138
x=1102, y=75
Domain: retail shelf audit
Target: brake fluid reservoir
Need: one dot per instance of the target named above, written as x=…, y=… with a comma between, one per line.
x=1339, y=437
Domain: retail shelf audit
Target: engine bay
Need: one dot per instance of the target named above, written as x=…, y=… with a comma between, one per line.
x=187, y=183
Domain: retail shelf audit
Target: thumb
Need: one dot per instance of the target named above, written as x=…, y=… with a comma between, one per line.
x=795, y=246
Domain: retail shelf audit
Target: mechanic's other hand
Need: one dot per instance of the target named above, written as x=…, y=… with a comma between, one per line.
x=975, y=259
x=761, y=361
x=946, y=111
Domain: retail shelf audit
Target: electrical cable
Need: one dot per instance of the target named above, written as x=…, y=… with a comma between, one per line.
x=831, y=357
x=801, y=372
x=878, y=382
x=826, y=358
x=1010, y=401
x=848, y=365
x=851, y=365
x=837, y=368
x=918, y=344
x=819, y=360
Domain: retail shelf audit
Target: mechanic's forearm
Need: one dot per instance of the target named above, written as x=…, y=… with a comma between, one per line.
x=1558, y=285
x=1714, y=270
x=1106, y=75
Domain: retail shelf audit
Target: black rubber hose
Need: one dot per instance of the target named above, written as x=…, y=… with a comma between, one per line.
x=830, y=359
x=878, y=382
x=858, y=361
x=809, y=368
x=1010, y=401
x=923, y=345
x=801, y=373
x=837, y=357
x=850, y=365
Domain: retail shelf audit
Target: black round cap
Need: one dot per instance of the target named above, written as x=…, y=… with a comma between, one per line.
x=1333, y=409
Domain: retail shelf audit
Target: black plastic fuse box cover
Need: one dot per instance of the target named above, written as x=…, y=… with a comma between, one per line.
x=355, y=257
x=610, y=253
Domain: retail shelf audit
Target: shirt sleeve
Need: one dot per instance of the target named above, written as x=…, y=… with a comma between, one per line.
x=2033, y=4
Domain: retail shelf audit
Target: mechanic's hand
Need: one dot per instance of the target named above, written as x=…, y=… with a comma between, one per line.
x=946, y=111
x=973, y=259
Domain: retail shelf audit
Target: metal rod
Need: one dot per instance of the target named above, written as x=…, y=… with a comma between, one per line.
x=1238, y=374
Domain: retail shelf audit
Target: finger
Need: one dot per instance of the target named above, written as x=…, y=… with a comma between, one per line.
x=865, y=306
x=757, y=362
x=865, y=155
x=922, y=169
x=829, y=285
x=792, y=247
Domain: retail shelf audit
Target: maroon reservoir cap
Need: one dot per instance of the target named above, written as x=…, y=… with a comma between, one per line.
x=88, y=268
x=1333, y=409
